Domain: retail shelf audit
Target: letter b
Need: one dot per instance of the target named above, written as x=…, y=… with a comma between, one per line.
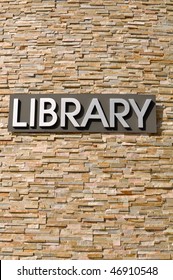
x=49, y=111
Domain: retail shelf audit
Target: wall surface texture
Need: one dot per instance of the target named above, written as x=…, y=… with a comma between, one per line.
x=87, y=196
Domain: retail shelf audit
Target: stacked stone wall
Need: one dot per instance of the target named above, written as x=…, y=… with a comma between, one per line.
x=87, y=196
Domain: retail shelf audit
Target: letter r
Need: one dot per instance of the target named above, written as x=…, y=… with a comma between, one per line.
x=120, y=115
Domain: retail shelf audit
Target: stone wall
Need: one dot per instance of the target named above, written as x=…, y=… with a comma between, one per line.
x=87, y=196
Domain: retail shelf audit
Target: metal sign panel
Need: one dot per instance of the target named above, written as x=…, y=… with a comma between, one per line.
x=125, y=113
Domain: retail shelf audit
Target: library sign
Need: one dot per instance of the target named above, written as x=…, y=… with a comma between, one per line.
x=63, y=113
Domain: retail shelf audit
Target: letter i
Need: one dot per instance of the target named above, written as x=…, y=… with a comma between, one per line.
x=32, y=112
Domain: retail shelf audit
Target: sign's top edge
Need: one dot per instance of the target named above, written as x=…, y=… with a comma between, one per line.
x=82, y=94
